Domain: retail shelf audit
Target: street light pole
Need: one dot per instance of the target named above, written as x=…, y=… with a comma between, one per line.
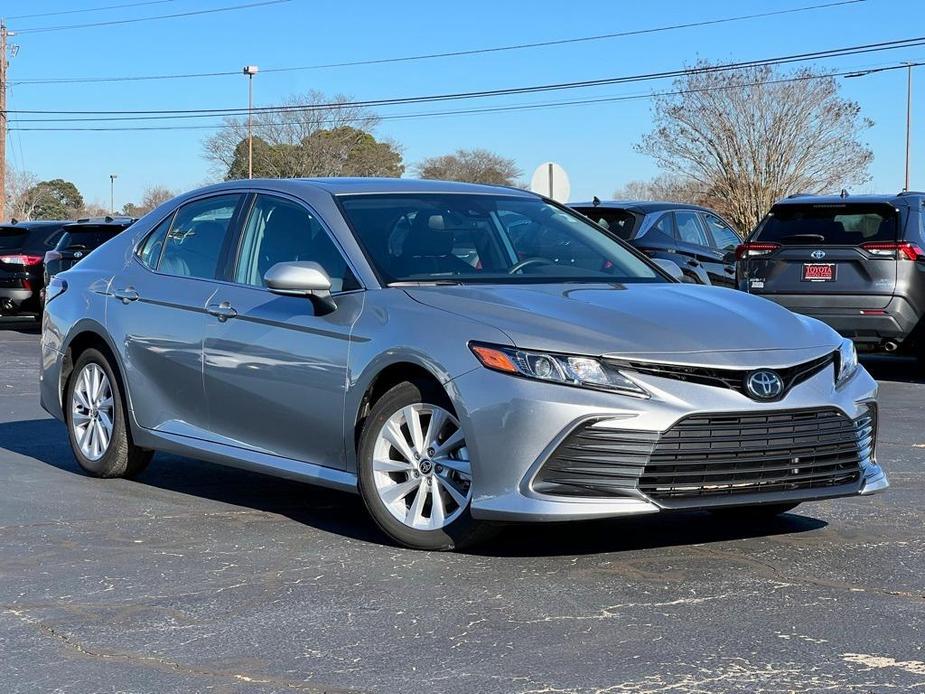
x=250, y=71
x=112, y=193
x=908, y=120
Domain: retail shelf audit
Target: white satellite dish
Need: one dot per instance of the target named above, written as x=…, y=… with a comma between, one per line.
x=550, y=180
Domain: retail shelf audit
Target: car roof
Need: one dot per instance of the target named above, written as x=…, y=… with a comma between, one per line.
x=351, y=186
x=641, y=206
x=34, y=224
x=903, y=199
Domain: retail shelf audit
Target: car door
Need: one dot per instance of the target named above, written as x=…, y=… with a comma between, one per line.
x=156, y=312
x=694, y=244
x=276, y=366
x=724, y=240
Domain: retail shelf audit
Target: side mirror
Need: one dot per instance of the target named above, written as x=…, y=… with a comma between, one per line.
x=302, y=279
x=729, y=258
x=670, y=267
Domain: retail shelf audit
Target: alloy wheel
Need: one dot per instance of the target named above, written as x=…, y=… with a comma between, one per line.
x=421, y=467
x=92, y=412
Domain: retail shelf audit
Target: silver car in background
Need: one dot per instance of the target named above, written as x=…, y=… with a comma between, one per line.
x=457, y=354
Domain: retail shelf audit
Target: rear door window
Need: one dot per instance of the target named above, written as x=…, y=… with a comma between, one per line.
x=196, y=241
x=689, y=229
x=724, y=238
x=851, y=224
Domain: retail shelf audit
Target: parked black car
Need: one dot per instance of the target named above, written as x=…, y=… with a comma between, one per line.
x=22, y=248
x=79, y=239
x=695, y=238
x=854, y=262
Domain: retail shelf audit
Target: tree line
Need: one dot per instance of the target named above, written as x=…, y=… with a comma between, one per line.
x=733, y=140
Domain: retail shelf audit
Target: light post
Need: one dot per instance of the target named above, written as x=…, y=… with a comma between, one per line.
x=250, y=71
x=112, y=193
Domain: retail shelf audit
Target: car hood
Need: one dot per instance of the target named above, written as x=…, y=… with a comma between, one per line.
x=680, y=323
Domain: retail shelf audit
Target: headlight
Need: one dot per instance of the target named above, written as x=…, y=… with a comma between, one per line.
x=583, y=372
x=847, y=362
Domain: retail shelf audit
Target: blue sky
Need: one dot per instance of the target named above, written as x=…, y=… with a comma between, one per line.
x=593, y=142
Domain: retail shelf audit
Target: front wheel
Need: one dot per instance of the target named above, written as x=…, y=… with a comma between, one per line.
x=414, y=470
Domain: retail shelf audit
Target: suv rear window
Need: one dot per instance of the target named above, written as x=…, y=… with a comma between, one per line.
x=12, y=239
x=86, y=238
x=831, y=224
x=622, y=223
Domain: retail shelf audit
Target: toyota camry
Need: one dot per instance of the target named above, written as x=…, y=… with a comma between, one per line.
x=456, y=354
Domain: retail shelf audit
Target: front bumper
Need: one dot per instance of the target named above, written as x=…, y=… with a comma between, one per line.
x=513, y=425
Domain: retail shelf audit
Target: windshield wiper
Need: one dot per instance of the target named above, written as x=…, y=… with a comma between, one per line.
x=424, y=283
x=800, y=237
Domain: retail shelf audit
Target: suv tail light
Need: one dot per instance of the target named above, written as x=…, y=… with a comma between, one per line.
x=752, y=249
x=21, y=259
x=900, y=251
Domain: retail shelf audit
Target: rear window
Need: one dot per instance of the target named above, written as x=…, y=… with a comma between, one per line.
x=12, y=239
x=86, y=239
x=619, y=222
x=835, y=225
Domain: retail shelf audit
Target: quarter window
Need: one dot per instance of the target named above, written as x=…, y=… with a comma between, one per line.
x=723, y=236
x=689, y=229
x=194, y=243
x=150, y=250
x=279, y=231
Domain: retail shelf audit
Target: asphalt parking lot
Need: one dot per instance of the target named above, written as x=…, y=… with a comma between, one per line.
x=196, y=577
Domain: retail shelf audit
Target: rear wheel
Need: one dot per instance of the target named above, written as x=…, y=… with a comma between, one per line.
x=96, y=422
x=414, y=470
x=758, y=512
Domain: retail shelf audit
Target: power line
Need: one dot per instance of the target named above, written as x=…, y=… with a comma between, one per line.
x=175, y=15
x=484, y=110
x=561, y=86
x=90, y=9
x=448, y=54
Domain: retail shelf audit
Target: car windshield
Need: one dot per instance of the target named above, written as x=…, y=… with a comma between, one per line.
x=848, y=224
x=486, y=238
x=617, y=221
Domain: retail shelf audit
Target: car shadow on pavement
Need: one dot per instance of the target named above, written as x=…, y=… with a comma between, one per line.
x=27, y=325
x=343, y=514
x=892, y=368
x=329, y=510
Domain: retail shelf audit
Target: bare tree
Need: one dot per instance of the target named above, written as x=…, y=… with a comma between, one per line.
x=471, y=166
x=314, y=136
x=752, y=136
x=22, y=194
x=152, y=197
x=664, y=187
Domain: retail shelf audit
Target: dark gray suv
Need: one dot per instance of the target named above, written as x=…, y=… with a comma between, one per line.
x=854, y=262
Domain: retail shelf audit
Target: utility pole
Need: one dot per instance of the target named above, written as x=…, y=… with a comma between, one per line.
x=112, y=193
x=250, y=71
x=908, y=120
x=3, y=65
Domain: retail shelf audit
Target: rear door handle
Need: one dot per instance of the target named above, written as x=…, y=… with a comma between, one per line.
x=127, y=295
x=222, y=311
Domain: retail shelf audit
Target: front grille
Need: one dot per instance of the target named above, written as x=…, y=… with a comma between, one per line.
x=705, y=456
x=733, y=379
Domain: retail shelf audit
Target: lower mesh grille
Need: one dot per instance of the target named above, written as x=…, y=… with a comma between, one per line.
x=713, y=455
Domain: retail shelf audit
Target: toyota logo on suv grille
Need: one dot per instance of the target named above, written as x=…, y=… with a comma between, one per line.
x=764, y=385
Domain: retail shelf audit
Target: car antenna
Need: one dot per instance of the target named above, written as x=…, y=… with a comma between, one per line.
x=844, y=193
x=596, y=201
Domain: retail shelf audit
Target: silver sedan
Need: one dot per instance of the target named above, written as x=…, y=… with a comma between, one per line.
x=457, y=354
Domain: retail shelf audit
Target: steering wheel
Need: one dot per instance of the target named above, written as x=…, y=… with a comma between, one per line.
x=527, y=262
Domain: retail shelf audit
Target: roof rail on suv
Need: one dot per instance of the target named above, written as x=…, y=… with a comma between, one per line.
x=800, y=195
x=909, y=192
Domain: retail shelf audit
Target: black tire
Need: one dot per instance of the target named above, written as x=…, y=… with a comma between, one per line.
x=464, y=530
x=122, y=457
x=757, y=512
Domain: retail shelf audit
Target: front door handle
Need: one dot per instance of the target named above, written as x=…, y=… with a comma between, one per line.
x=222, y=311
x=127, y=295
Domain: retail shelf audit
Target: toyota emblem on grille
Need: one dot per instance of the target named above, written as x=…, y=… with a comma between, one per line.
x=78, y=254
x=818, y=255
x=764, y=385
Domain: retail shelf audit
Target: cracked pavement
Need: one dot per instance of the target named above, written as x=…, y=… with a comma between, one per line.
x=196, y=577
